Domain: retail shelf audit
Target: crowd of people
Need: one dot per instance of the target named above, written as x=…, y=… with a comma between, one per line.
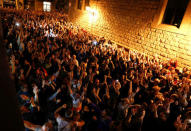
x=67, y=79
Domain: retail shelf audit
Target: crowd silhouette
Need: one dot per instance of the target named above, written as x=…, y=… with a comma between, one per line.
x=68, y=79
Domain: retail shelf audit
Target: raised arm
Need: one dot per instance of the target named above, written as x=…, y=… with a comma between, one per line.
x=130, y=88
x=31, y=126
x=28, y=71
x=59, y=108
x=54, y=95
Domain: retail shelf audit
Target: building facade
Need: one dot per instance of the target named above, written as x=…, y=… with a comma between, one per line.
x=138, y=25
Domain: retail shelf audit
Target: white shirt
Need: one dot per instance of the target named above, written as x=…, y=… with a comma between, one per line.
x=62, y=124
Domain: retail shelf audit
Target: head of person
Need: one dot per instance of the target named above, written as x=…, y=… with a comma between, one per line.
x=74, y=57
x=24, y=87
x=97, y=82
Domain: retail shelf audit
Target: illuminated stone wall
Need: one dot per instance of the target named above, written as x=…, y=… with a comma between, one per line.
x=19, y=4
x=1, y=3
x=38, y=5
x=129, y=23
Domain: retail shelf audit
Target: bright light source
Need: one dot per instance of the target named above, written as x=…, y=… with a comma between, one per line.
x=189, y=121
x=94, y=42
x=88, y=8
x=17, y=24
x=91, y=11
x=93, y=14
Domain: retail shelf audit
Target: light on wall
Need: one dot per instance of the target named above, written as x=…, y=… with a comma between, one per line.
x=92, y=12
x=88, y=8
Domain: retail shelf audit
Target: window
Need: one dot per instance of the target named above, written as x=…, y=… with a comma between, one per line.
x=173, y=16
x=174, y=12
x=46, y=6
x=80, y=4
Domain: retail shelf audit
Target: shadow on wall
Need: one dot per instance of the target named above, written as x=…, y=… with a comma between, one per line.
x=10, y=119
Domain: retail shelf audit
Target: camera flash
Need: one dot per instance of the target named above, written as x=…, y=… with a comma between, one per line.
x=17, y=24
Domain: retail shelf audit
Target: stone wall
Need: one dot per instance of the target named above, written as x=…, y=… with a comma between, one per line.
x=38, y=5
x=20, y=4
x=1, y=3
x=129, y=23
